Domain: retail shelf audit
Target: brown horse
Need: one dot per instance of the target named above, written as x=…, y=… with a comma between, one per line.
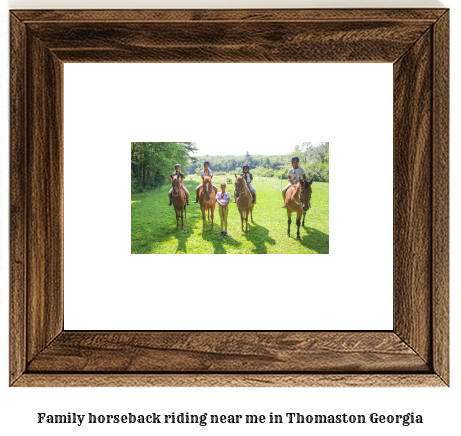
x=179, y=200
x=244, y=200
x=298, y=199
x=207, y=200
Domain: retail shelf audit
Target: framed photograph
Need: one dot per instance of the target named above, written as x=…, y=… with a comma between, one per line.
x=414, y=353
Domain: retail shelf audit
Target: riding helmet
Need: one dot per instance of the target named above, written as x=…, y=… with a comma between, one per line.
x=177, y=166
x=246, y=165
x=206, y=162
x=295, y=158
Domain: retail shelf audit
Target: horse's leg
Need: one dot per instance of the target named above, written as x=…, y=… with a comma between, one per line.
x=177, y=218
x=182, y=218
x=298, y=223
x=208, y=214
x=246, y=220
x=304, y=217
x=289, y=221
x=251, y=212
x=212, y=218
x=204, y=218
x=241, y=218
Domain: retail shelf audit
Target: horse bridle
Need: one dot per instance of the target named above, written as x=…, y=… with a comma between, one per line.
x=242, y=191
x=301, y=200
x=176, y=193
x=205, y=186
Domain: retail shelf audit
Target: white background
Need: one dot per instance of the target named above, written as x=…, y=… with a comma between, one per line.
x=438, y=406
x=349, y=104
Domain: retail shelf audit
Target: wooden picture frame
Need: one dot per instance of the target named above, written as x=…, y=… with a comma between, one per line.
x=414, y=353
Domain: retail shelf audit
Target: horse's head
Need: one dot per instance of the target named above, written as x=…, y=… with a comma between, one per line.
x=305, y=193
x=176, y=182
x=207, y=186
x=240, y=185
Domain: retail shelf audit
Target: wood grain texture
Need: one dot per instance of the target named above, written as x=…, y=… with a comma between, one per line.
x=414, y=354
x=205, y=15
x=413, y=196
x=227, y=352
x=441, y=195
x=45, y=237
x=18, y=193
x=230, y=380
x=245, y=41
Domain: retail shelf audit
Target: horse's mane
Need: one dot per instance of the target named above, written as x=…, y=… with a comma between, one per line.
x=302, y=182
x=242, y=178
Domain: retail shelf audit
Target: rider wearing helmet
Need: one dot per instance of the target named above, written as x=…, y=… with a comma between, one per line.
x=205, y=172
x=248, y=178
x=294, y=174
x=177, y=172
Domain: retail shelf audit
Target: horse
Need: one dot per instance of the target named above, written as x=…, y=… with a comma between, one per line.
x=179, y=200
x=297, y=199
x=207, y=200
x=244, y=200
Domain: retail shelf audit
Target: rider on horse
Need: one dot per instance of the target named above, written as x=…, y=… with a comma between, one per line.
x=248, y=178
x=177, y=172
x=295, y=174
x=205, y=172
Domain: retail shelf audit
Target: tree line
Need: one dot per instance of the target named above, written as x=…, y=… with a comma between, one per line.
x=153, y=162
x=314, y=158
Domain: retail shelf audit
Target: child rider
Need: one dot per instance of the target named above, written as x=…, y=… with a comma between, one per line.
x=205, y=172
x=248, y=179
x=294, y=174
x=177, y=172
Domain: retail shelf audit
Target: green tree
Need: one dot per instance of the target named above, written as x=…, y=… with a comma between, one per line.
x=152, y=162
x=248, y=159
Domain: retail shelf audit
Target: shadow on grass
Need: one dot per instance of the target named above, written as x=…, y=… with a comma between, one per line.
x=315, y=240
x=162, y=227
x=219, y=242
x=259, y=237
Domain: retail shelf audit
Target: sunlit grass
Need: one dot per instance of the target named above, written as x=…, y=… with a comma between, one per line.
x=153, y=224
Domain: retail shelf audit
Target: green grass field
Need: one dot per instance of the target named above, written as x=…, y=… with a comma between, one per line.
x=153, y=224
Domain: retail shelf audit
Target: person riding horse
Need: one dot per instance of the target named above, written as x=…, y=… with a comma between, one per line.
x=177, y=172
x=248, y=179
x=204, y=173
x=295, y=174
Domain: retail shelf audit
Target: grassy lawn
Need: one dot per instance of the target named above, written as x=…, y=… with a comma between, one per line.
x=153, y=224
